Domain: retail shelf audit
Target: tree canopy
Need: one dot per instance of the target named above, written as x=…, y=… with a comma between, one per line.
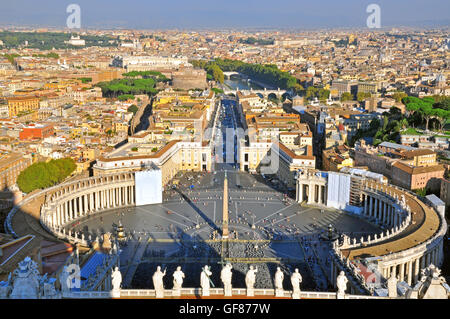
x=45, y=174
x=346, y=96
x=253, y=40
x=158, y=76
x=52, y=40
x=125, y=97
x=133, y=108
x=120, y=87
x=215, y=72
x=426, y=109
x=361, y=96
x=268, y=74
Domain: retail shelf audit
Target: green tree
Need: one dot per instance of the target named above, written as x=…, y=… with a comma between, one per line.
x=216, y=73
x=441, y=116
x=42, y=175
x=133, y=108
x=311, y=92
x=374, y=124
x=268, y=74
x=323, y=94
x=125, y=97
x=398, y=96
x=346, y=96
x=427, y=113
x=361, y=96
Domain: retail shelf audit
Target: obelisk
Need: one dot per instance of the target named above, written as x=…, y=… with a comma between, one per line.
x=225, y=208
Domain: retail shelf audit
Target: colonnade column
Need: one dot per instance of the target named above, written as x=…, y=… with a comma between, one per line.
x=85, y=204
x=402, y=272
x=365, y=204
x=309, y=194
x=66, y=209
x=58, y=215
x=70, y=209
x=380, y=210
x=416, y=270
x=97, y=200
x=409, y=265
x=390, y=220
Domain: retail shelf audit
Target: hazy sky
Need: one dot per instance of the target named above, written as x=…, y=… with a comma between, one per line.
x=194, y=14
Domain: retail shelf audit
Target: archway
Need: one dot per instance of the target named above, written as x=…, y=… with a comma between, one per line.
x=285, y=96
x=273, y=98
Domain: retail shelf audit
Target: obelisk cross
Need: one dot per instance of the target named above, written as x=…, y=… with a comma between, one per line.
x=225, y=208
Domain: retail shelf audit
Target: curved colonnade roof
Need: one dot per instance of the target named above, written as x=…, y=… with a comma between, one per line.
x=424, y=224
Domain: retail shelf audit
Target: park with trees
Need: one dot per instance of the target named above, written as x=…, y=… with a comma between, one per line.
x=134, y=83
x=133, y=108
x=428, y=113
x=41, y=175
x=52, y=40
x=268, y=73
x=320, y=93
x=256, y=41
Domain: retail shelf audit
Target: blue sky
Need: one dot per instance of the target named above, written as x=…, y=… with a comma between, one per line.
x=201, y=14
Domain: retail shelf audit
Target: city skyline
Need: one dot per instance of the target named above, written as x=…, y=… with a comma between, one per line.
x=200, y=14
x=243, y=150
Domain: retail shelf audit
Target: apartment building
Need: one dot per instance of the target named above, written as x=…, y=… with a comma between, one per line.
x=11, y=164
x=22, y=104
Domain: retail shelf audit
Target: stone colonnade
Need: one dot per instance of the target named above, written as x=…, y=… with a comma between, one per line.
x=89, y=196
x=380, y=203
x=312, y=188
x=409, y=269
x=382, y=209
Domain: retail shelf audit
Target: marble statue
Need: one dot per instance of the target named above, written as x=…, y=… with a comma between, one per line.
x=116, y=277
x=250, y=279
x=64, y=280
x=26, y=283
x=296, y=280
x=279, y=276
x=5, y=287
x=225, y=276
x=49, y=290
x=392, y=285
x=341, y=282
x=178, y=276
x=158, y=282
x=431, y=285
x=403, y=201
x=205, y=281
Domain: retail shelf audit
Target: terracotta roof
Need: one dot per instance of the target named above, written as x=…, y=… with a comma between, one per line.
x=291, y=154
x=419, y=152
x=418, y=169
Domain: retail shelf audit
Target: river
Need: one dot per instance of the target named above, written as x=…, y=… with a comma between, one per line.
x=237, y=83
